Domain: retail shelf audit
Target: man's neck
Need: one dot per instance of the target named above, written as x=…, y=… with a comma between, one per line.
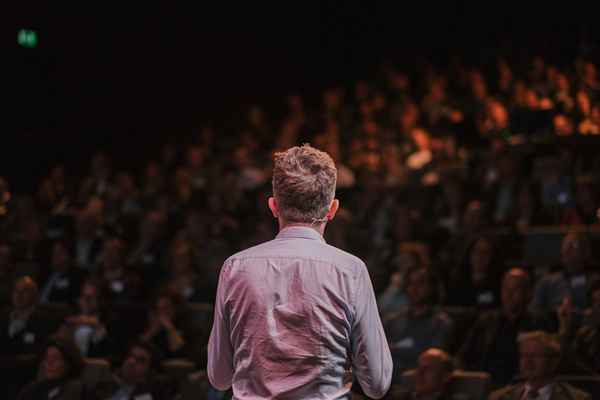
x=319, y=227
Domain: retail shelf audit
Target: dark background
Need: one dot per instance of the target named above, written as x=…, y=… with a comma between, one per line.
x=127, y=80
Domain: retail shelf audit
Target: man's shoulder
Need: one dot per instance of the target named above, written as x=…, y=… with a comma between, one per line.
x=277, y=249
x=506, y=392
x=563, y=390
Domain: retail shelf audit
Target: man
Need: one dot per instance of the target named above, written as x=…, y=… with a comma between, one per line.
x=573, y=282
x=294, y=314
x=432, y=378
x=539, y=355
x=24, y=326
x=491, y=345
x=62, y=282
x=23, y=332
x=419, y=325
x=135, y=379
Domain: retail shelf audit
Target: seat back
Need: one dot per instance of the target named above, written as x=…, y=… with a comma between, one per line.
x=474, y=384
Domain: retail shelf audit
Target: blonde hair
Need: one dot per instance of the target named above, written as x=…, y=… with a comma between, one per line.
x=304, y=181
x=550, y=342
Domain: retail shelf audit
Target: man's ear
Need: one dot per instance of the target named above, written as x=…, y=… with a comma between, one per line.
x=333, y=208
x=273, y=207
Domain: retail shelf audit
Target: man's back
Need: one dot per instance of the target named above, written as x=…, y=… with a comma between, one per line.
x=297, y=313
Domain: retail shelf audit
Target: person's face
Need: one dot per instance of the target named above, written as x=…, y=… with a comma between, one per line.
x=136, y=366
x=596, y=300
x=88, y=300
x=481, y=256
x=54, y=364
x=418, y=288
x=514, y=293
x=4, y=257
x=164, y=306
x=182, y=260
x=430, y=376
x=60, y=258
x=572, y=254
x=534, y=362
x=23, y=295
x=112, y=254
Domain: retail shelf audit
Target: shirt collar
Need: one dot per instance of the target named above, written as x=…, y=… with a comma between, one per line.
x=543, y=392
x=299, y=232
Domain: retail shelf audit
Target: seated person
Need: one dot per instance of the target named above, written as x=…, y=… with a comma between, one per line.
x=164, y=329
x=135, y=379
x=24, y=327
x=183, y=276
x=586, y=345
x=60, y=368
x=419, y=325
x=61, y=283
x=539, y=356
x=476, y=282
x=88, y=327
x=121, y=283
x=573, y=281
x=432, y=378
x=491, y=345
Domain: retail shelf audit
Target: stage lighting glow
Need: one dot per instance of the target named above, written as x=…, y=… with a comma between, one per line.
x=27, y=38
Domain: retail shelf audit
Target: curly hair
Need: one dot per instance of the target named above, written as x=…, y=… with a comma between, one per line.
x=304, y=181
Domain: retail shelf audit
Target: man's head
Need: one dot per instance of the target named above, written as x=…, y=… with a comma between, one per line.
x=515, y=292
x=575, y=251
x=304, y=181
x=89, y=299
x=61, y=256
x=138, y=364
x=539, y=355
x=421, y=286
x=25, y=293
x=433, y=373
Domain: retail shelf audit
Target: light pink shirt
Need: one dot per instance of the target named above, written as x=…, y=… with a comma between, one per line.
x=294, y=319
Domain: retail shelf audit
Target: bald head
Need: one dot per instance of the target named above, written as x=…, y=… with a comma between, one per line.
x=25, y=293
x=434, y=371
x=516, y=292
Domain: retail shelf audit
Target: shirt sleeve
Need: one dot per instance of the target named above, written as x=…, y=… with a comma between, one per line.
x=371, y=358
x=220, y=351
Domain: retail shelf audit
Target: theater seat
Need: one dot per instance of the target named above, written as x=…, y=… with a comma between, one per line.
x=587, y=383
x=177, y=369
x=95, y=370
x=474, y=384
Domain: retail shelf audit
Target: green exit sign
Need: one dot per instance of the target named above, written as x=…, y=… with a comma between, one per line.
x=27, y=38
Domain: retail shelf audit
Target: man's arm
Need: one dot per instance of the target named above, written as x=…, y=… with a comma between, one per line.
x=220, y=351
x=371, y=358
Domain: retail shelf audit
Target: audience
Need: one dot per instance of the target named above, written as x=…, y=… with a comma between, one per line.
x=59, y=374
x=449, y=171
x=539, y=356
x=492, y=342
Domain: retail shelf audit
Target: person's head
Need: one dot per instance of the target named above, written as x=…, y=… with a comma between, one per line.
x=61, y=255
x=168, y=304
x=575, y=251
x=181, y=258
x=112, y=253
x=515, y=291
x=480, y=259
x=89, y=298
x=5, y=258
x=138, y=363
x=304, y=181
x=594, y=295
x=433, y=372
x=421, y=286
x=25, y=293
x=61, y=359
x=539, y=355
